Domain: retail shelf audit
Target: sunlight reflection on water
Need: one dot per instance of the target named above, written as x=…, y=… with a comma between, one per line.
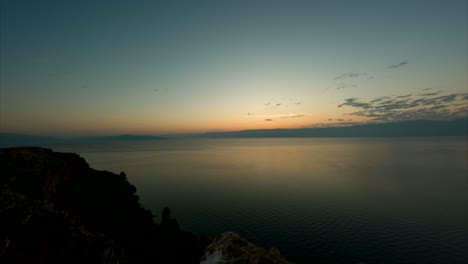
x=333, y=200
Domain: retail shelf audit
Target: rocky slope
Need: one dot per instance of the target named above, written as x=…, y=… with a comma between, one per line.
x=230, y=248
x=54, y=208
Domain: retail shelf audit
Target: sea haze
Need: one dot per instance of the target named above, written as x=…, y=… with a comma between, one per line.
x=318, y=200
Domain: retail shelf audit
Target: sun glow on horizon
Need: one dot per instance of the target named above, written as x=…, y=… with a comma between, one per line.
x=228, y=67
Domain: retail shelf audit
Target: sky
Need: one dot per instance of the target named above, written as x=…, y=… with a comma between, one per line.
x=158, y=67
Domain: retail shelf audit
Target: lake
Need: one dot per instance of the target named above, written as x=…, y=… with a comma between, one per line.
x=318, y=200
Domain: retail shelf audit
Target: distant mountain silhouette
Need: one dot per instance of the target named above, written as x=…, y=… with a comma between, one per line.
x=415, y=128
x=121, y=137
x=11, y=139
x=25, y=139
x=456, y=127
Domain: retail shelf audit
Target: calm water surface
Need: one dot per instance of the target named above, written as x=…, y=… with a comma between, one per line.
x=336, y=200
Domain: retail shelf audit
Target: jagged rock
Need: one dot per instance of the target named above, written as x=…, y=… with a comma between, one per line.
x=54, y=208
x=230, y=248
x=38, y=232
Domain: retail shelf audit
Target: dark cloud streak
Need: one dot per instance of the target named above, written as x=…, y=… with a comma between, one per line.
x=350, y=75
x=436, y=107
x=401, y=64
x=345, y=85
x=404, y=96
x=429, y=94
x=292, y=116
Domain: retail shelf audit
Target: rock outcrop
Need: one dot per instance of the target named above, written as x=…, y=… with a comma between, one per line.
x=54, y=208
x=230, y=248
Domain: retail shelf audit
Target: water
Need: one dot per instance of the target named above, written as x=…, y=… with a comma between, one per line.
x=336, y=200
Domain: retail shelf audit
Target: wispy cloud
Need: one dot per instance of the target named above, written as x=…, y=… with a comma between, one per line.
x=345, y=85
x=289, y=115
x=271, y=106
x=292, y=116
x=268, y=119
x=350, y=75
x=353, y=102
x=401, y=64
x=404, y=96
x=380, y=99
x=429, y=94
x=396, y=109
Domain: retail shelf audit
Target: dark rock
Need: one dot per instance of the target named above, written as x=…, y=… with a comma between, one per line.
x=230, y=248
x=166, y=215
x=54, y=208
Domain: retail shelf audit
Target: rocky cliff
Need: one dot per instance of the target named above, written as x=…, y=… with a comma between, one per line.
x=230, y=248
x=54, y=208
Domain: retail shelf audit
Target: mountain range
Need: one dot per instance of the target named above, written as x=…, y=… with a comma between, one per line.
x=413, y=128
x=416, y=128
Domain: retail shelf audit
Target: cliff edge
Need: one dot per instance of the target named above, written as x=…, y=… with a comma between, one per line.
x=54, y=208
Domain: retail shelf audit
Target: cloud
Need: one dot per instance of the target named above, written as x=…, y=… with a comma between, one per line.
x=271, y=106
x=268, y=119
x=298, y=103
x=427, y=89
x=404, y=96
x=437, y=107
x=379, y=99
x=401, y=64
x=249, y=114
x=350, y=75
x=353, y=102
x=394, y=109
x=292, y=116
x=345, y=85
x=329, y=119
x=429, y=94
x=441, y=99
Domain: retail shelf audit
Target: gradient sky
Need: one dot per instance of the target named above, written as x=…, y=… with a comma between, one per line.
x=155, y=67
